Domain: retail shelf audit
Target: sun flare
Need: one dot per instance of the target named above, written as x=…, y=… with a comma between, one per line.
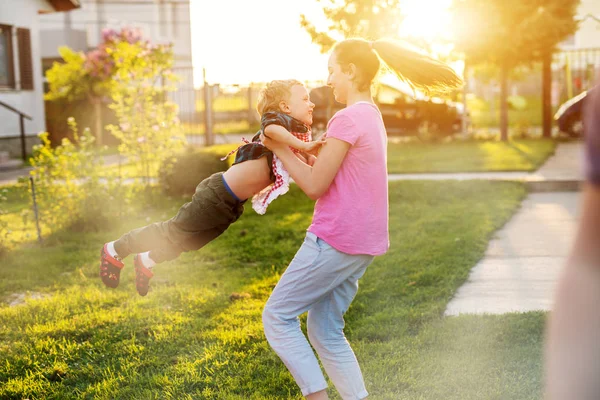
x=426, y=19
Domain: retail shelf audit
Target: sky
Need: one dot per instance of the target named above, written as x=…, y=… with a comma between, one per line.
x=243, y=41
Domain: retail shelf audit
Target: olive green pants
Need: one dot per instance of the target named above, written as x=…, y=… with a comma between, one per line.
x=208, y=215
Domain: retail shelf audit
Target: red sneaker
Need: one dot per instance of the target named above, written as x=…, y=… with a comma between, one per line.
x=142, y=276
x=110, y=269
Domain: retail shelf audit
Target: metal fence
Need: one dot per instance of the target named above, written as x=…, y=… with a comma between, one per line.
x=231, y=109
x=573, y=72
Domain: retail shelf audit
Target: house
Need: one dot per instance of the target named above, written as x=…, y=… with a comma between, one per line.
x=21, y=89
x=576, y=66
x=588, y=34
x=161, y=21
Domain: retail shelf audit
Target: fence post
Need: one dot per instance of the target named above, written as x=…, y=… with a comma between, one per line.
x=208, y=128
x=35, y=210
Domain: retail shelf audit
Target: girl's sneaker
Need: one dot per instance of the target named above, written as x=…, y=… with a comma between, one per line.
x=142, y=276
x=110, y=268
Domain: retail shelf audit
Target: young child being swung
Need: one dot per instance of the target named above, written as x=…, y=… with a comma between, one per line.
x=219, y=199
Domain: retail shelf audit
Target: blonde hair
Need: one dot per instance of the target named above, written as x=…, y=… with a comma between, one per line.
x=271, y=95
x=408, y=63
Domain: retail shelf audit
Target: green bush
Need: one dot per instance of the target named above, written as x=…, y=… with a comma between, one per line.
x=180, y=174
x=4, y=228
x=71, y=193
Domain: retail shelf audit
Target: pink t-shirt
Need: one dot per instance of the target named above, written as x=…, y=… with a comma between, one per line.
x=352, y=215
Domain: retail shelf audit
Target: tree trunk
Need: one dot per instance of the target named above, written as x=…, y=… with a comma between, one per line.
x=504, y=103
x=547, y=94
x=98, y=122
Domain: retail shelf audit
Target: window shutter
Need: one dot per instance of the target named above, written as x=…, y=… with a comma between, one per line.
x=25, y=59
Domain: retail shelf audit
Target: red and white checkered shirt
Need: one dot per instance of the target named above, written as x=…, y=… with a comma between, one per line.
x=261, y=200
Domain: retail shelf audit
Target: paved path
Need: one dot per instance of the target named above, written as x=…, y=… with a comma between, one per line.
x=523, y=261
x=564, y=165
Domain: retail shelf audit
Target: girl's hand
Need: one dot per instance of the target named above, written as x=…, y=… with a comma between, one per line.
x=310, y=160
x=313, y=147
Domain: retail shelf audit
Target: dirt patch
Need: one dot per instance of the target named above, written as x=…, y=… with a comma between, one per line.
x=16, y=299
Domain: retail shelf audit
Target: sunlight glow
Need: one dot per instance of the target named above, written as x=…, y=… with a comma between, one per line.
x=241, y=41
x=427, y=19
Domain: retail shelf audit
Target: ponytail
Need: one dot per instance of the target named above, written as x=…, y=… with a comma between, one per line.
x=418, y=70
x=415, y=68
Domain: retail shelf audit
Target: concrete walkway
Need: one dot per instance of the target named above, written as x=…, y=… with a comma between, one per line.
x=523, y=261
x=563, y=166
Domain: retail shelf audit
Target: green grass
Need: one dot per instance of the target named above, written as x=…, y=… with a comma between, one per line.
x=187, y=339
x=455, y=156
x=469, y=156
x=526, y=113
x=21, y=230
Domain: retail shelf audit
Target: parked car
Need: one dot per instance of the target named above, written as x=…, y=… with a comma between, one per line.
x=569, y=115
x=404, y=112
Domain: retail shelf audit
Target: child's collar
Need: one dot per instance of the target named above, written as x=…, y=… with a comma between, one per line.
x=295, y=124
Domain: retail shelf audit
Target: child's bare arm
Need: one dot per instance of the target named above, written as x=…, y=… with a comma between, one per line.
x=282, y=135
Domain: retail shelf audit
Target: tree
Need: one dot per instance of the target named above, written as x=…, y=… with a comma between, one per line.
x=72, y=80
x=368, y=19
x=136, y=76
x=510, y=33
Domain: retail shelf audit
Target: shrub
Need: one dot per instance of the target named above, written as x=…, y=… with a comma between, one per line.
x=180, y=174
x=69, y=187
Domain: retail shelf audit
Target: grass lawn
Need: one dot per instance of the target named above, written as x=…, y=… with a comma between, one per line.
x=469, y=156
x=190, y=339
x=455, y=156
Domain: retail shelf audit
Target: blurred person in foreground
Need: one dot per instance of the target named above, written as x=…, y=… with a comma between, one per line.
x=573, y=338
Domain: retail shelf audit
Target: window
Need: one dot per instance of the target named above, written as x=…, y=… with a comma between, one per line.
x=7, y=76
x=25, y=61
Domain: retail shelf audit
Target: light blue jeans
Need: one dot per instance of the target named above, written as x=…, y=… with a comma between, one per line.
x=322, y=281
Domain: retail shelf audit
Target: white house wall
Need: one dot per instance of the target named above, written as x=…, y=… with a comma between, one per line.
x=162, y=21
x=24, y=14
x=588, y=35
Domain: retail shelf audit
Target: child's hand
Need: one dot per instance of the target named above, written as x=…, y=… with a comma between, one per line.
x=313, y=147
x=310, y=159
